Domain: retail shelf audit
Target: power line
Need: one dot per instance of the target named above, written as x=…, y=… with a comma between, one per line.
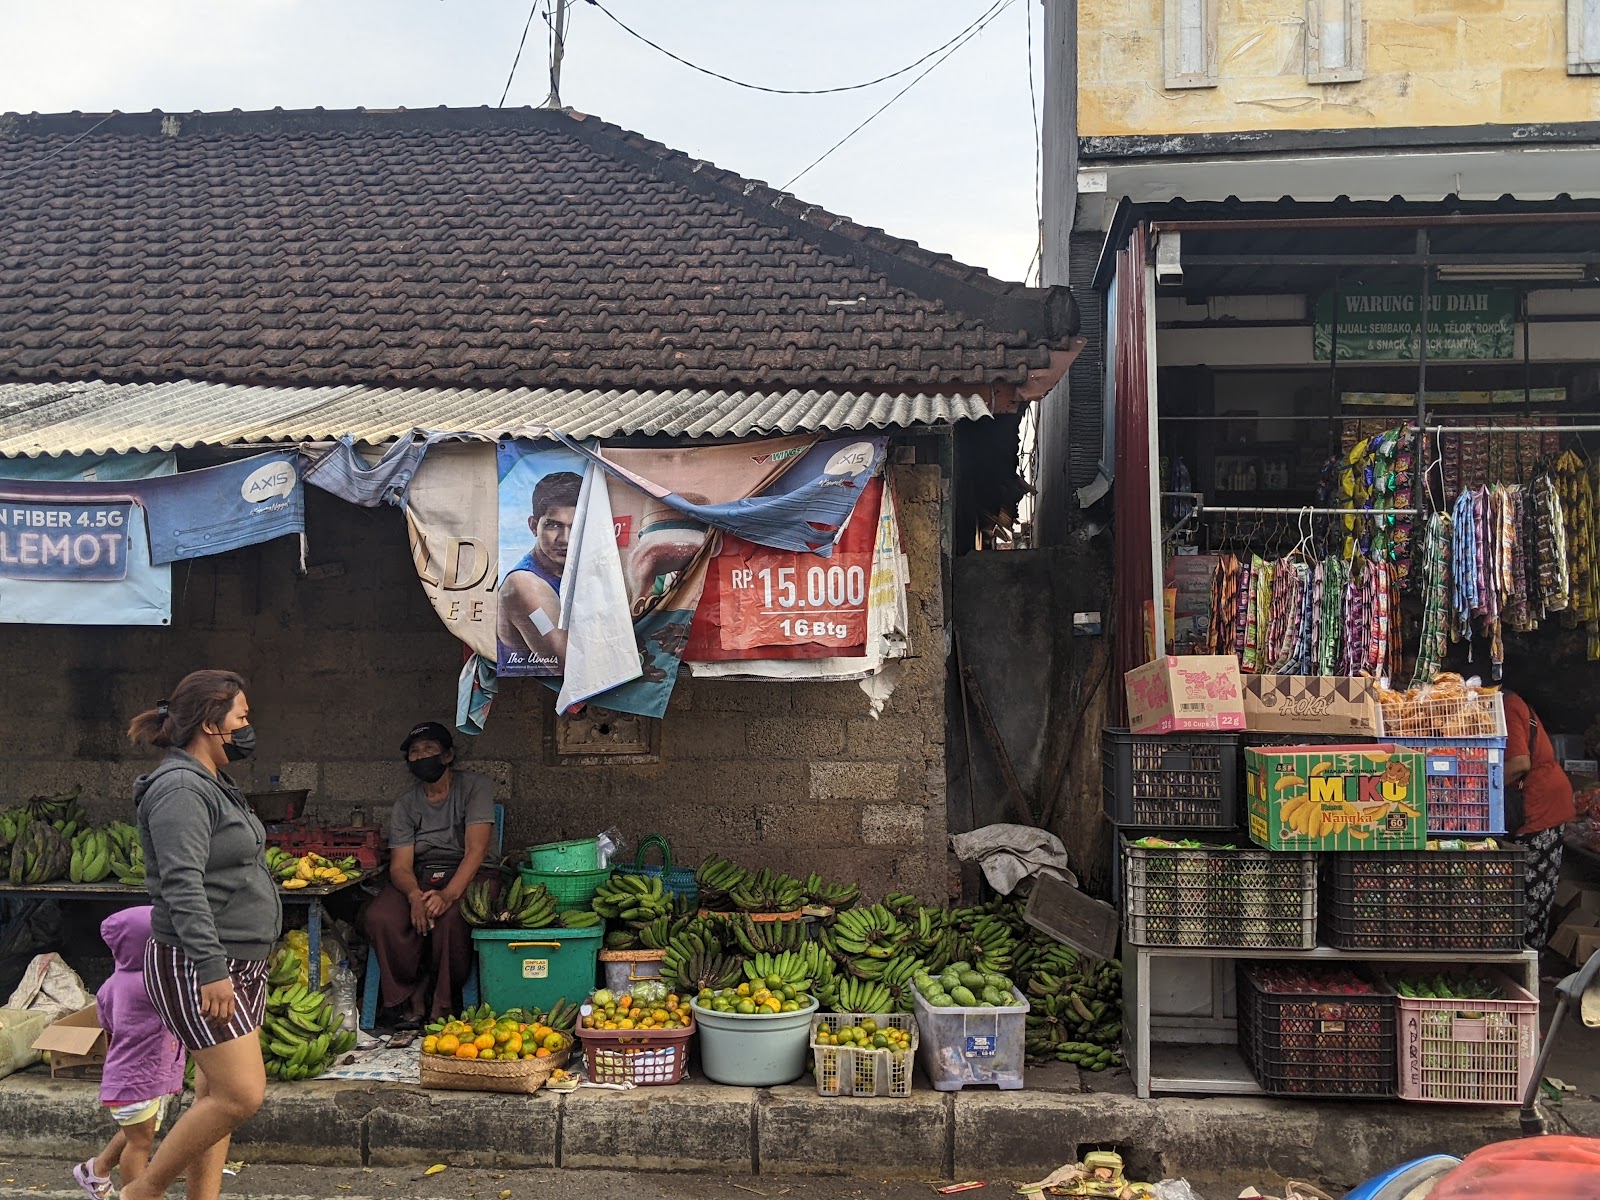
x=58, y=150
x=756, y=87
x=526, y=26
x=1038, y=158
x=973, y=31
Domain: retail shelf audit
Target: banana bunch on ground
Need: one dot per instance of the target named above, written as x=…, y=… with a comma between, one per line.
x=985, y=940
x=695, y=961
x=40, y=854
x=749, y=936
x=1077, y=1011
x=837, y=896
x=305, y=870
x=768, y=892
x=715, y=879
x=519, y=906
x=637, y=899
x=91, y=856
x=301, y=1035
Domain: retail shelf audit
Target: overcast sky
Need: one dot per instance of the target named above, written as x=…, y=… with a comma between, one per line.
x=949, y=165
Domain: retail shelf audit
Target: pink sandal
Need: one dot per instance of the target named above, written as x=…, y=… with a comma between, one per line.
x=98, y=1188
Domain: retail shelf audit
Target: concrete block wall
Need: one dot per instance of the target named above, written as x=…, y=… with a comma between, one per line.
x=1429, y=63
x=796, y=776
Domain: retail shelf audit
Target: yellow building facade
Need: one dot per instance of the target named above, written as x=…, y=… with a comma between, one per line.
x=1195, y=67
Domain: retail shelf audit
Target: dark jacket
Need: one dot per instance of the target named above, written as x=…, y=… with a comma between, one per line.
x=205, y=866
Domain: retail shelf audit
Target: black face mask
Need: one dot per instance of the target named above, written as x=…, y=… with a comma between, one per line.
x=243, y=744
x=430, y=769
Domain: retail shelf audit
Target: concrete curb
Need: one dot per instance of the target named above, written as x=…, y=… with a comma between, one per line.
x=697, y=1126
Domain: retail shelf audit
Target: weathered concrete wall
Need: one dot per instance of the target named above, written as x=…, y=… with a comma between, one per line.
x=341, y=664
x=1429, y=63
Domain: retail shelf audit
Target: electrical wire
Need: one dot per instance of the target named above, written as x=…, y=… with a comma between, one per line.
x=756, y=87
x=58, y=150
x=974, y=31
x=527, y=25
x=1038, y=161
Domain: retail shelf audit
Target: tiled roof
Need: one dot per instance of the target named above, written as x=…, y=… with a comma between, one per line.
x=466, y=248
x=117, y=418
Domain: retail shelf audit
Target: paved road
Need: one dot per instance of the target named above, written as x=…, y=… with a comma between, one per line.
x=45, y=1179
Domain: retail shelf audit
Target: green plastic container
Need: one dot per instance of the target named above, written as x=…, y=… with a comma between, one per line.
x=573, y=891
x=533, y=968
x=752, y=1051
x=580, y=855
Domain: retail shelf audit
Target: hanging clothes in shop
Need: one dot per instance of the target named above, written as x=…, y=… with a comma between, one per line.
x=1224, y=605
x=1436, y=587
x=1550, y=548
x=1575, y=486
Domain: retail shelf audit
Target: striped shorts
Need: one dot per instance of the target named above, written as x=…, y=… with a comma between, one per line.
x=174, y=989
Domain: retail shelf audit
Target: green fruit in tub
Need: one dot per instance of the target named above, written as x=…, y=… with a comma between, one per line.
x=992, y=995
x=963, y=997
x=998, y=981
x=972, y=981
x=950, y=981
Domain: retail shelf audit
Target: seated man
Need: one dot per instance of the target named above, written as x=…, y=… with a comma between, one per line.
x=439, y=835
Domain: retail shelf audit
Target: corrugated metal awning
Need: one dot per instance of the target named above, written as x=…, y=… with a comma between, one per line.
x=103, y=418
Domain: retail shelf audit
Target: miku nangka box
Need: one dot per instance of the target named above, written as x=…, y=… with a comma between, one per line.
x=1337, y=797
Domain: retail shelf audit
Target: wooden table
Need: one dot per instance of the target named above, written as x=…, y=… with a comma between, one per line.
x=129, y=894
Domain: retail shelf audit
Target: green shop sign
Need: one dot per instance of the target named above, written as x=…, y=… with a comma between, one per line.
x=1385, y=324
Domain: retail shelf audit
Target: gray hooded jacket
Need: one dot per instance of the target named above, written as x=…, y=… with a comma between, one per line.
x=205, y=866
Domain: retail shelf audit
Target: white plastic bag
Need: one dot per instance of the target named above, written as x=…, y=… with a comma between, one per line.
x=51, y=987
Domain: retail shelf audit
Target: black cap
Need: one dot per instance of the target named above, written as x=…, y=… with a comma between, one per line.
x=431, y=730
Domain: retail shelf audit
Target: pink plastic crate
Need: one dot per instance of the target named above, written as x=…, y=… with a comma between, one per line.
x=1469, y=1051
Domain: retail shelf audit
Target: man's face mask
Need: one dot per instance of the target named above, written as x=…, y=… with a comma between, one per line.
x=430, y=769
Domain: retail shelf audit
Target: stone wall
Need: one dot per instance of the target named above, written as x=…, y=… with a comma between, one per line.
x=1429, y=63
x=342, y=662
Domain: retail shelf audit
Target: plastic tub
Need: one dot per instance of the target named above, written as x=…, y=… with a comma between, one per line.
x=573, y=891
x=752, y=1051
x=624, y=968
x=581, y=854
x=961, y=1046
x=533, y=968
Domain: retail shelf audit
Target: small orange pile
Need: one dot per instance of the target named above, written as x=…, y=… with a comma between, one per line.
x=495, y=1039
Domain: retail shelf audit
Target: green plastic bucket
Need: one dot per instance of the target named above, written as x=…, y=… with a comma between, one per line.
x=752, y=1051
x=533, y=968
x=580, y=855
x=573, y=891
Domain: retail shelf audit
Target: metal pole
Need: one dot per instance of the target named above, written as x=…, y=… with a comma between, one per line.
x=1158, y=573
x=1419, y=453
x=558, y=51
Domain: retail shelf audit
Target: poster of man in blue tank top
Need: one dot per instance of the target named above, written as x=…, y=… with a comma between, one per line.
x=533, y=556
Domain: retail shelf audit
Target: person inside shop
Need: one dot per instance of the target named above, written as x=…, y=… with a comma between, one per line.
x=440, y=831
x=1538, y=804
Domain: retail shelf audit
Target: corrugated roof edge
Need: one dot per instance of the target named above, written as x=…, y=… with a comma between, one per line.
x=1046, y=315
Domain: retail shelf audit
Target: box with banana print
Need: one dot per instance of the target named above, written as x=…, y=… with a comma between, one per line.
x=1337, y=797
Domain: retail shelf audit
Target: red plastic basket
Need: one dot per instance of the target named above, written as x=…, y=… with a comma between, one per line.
x=657, y=1056
x=363, y=842
x=1469, y=1051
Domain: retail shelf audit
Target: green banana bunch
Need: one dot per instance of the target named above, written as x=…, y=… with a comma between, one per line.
x=40, y=855
x=284, y=968
x=750, y=936
x=872, y=932
x=1076, y=1013
x=837, y=896
x=864, y=996
x=788, y=967
x=714, y=879
x=578, y=920
x=637, y=899
x=694, y=961
x=768, y=892
x=127, y=859
x=300, y=1034
x=90, y=861
x=519, y=906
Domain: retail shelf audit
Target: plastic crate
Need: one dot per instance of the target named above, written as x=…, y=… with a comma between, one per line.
x=849, y=1071
x=961, y=1046
x=365, y=843
x=1455, y=715
x=573, y=891
x=1424, y=900
x=533, y=968
x=624, y=968
x=1469, y=1051
x=1229, y=899
x=1316, y=1043
x=653, y=1058
x=1466, y=783
x=1178, y=781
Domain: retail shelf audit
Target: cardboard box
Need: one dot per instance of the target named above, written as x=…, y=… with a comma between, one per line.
x=76, y=1044
x=1360, y=797
x=1308, y=704
x=1188, y=693
x=1577, y=937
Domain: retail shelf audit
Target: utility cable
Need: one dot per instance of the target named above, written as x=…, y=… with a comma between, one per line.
x=58, y=150
x=1038, y=160
x=526, y=26
x=973, y=31
x=756, y=87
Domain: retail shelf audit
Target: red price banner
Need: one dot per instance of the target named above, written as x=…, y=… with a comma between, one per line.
x=777, y=598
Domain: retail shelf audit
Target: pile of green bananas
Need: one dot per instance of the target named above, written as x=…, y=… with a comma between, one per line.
x=800, y=969
x=519, y=906
x=300, y=1035
x=822, y=894
x=127, y=854
x=639, y=900
x=91, y=856
x=847, y=994
x=863, y=933
x=768, y=892
x=39, y=855
x=714, y=879
x=695, y=961
x=748, y=936
x=1077, y=1010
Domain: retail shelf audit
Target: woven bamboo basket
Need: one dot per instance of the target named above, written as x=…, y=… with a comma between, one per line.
x=523, y=1077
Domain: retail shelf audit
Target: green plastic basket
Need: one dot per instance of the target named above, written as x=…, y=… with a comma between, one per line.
x=573, y=891
x=533, y=968
x=568, y=857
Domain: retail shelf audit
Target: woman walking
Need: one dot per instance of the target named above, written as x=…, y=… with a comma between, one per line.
x=215, y=915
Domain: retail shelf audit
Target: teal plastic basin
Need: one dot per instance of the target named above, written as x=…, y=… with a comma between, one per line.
x=752, y=1051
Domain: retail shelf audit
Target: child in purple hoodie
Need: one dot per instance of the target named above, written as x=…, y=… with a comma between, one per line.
x=144, y=1062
